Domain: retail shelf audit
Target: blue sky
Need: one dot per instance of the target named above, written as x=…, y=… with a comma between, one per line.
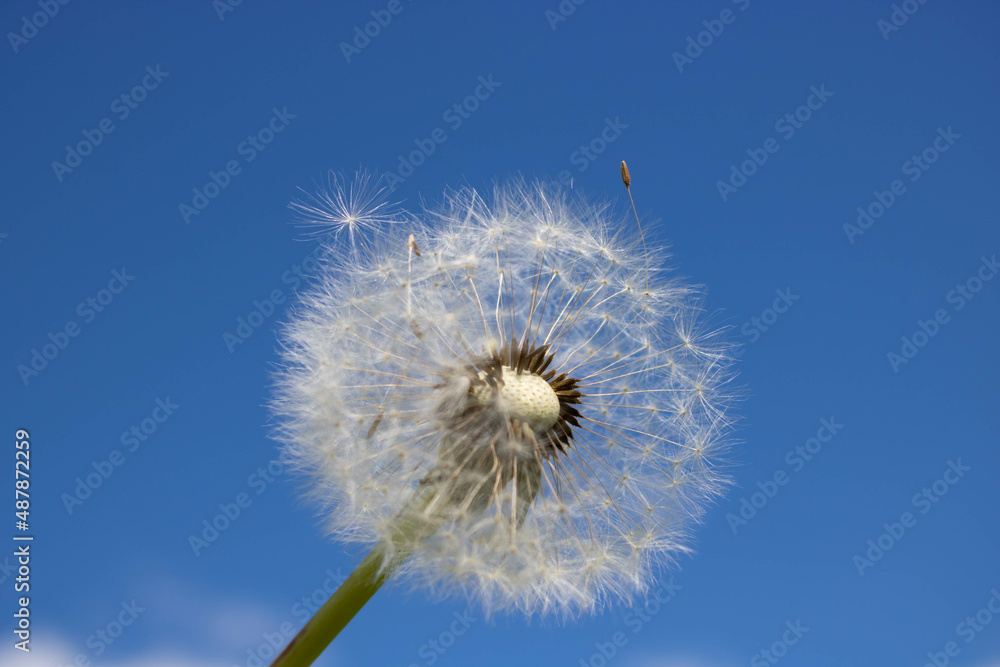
x=754, y=133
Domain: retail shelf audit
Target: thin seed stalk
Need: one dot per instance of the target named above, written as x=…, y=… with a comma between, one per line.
x=420, y=519
x=336, y=612
x=414, y=525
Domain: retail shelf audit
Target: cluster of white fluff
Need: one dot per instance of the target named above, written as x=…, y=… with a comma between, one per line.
x=392, y=397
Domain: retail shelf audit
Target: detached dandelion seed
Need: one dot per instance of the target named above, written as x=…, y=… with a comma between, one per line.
x=509, y=400
x=358, y=207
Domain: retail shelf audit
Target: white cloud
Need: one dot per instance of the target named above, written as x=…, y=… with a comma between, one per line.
x=207, y=621
x=59, y=654
x=215, y=629
x=678, y=660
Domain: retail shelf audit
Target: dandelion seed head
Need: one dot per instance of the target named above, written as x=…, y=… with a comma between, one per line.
x=523, y=374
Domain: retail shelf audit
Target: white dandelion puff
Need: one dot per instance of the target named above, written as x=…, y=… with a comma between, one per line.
x=511, y=400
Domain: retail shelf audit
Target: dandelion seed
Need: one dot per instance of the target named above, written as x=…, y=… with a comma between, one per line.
x=484, y=398
x=361, y=206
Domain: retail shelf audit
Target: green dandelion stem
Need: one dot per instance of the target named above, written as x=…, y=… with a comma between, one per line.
x=415, y=524
x=337, y=612
x=426, y=512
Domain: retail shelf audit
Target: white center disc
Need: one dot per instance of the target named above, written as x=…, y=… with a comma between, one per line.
x=526, y=397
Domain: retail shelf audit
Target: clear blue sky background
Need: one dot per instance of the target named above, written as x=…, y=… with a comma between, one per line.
x=161, y=336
